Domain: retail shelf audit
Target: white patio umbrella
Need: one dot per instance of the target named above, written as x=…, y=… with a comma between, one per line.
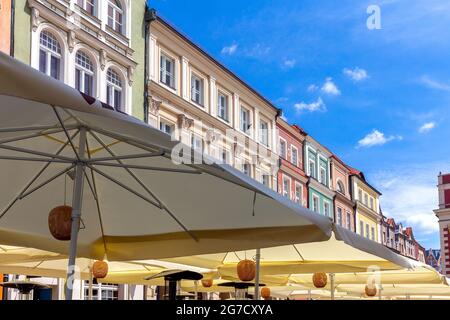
x=129, y=198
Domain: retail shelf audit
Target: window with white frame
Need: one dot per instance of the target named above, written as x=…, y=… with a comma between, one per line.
x=326, y=208
x=167, y=75
x=222, y=106
x=366, y=199
x=264, y=132
x=339, y=216
x=197, y=143
x=349, y=221
x=245, y=123
x=294, y=156
x=114, y=96
x=340, y=187
x=371, y=203
x=88, y=5
x=287, y=187
x=84, y=73
x=361, y=228
x=367, y=232
x=283, y=149
x=315, y=204
x=312, y=168
x=197, y=89
x=166, y=127
x=50, y=55
x=265, y=179
x=225, y=157
x=246, y=169
x=323, y=176
x=360, y=195
x=298, y=193
x=373, y=233
x=116, y=16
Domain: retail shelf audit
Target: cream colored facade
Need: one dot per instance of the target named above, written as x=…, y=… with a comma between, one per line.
x=368, y=217
x=190, y=111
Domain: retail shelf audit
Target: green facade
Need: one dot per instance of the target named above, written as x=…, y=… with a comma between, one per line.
x=322, y=200
x=22, y=32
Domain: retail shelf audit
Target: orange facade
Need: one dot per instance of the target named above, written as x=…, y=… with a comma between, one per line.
x=5, y=26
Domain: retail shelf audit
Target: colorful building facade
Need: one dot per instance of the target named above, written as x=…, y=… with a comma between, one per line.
x=367, y=204
x=292, y=180
x=5, y=26
x=443, y=214
x=344, y=213
x=317, y=166
x=433, y=259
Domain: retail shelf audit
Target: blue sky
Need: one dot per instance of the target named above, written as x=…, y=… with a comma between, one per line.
x=380, y=99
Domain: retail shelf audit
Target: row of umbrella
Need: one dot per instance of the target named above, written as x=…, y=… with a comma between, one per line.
x=133, y=196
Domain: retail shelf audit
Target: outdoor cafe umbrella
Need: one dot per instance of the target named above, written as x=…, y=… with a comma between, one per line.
x=129, y=200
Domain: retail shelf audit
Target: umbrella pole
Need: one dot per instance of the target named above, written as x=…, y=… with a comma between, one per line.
x=76, y=213
x=332, y=285
x=91, y=279
x=258, y=267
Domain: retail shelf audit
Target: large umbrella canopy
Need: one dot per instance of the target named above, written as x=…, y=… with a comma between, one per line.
x=136, y=203
x=10, y=254
x=344, y=252
x=403, y=290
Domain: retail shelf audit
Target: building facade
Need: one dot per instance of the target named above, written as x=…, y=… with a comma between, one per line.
x=5, y=26
x=367, y=204
x=317, y=166
x=344, y=213
x=201, y=103
x=94, y=46
x=292, y=180
x=443, y=214
x=433, y=259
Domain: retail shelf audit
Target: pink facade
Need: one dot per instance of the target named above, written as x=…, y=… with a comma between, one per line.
x=344, y=213
x=291, y=176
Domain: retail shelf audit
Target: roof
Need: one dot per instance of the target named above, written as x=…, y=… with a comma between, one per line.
x=217, y=63
x=436, y=253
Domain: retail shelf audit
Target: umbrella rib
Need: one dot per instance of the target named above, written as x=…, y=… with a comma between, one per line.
x=66, y=133
x=135, y=156
x=37, y=153
x=30, y=136
x=33, y=159
x=130, y=166
x=160, y=205
x=296, y=249
x=95, y=194
x=5, y=130
x=41, y=171
x=22, y=196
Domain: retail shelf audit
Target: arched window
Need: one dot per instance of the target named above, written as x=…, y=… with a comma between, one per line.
x=340, y=187
x=84, y=73
x=88, y=5
x=50, y=55
x=114, y=89
x=115, y=15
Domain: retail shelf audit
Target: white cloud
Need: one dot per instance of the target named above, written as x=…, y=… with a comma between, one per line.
x=356, y=74
x=427, y=127
x=318, y=105
x=230, y=50
x=434, y=84
x=329, y=87
x=376, y=138
x=312, y=88
x=289, y=63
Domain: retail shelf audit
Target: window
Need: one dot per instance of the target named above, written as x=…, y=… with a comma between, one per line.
x=84, y=74
x=340, y=187
x=50, y=55
x=197, y=89
x=87, y=5
x=298, y=193
x=323, y=176
x=167, y=71
x=166, y=127
x=114, y=90
x=265, y=179
x=294, y=156
x=197, y=143
x=339, y=216
x=316, y=204
x=115, y=15
x=286, y=187
x=361, y=228
x=366, y=199
x=222, y=106
x=326, y=209
x=367, y=231
x=283, y=149
x=373, y=233
x=226, y=157
x=371, y=203
x=360, y=197
x=312, y=168
x=349, y=221
x=264, y=132
x=245, y=124
x=246, y=169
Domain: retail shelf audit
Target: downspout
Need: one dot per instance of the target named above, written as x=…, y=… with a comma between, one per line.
x=150, y=16
x=278, y=115
x=11, y=38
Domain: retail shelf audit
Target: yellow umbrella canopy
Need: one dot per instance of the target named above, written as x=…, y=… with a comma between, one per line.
x=16, y=254
x=404, y=290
